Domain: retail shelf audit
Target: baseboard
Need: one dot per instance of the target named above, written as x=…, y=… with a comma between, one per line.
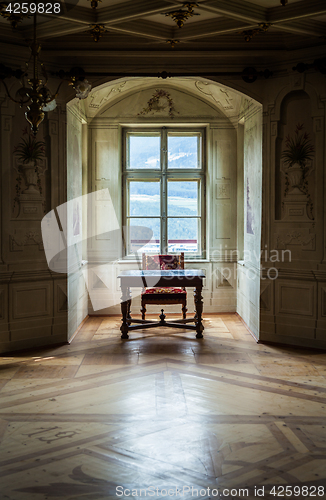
x=247, y=328
x=78, y=328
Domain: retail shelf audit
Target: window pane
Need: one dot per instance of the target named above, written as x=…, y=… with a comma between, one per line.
x=139, y=240
x=144, y=198
x=183, y=198
x=144, y=151
x=183, y=151
x=183, y=235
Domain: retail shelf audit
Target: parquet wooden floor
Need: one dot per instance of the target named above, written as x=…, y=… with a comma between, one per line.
x=102, y=418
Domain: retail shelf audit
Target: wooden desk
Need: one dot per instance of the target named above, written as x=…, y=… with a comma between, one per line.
x=171, y=278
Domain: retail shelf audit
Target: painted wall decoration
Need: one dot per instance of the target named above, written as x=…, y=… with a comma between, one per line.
x=76, y=216
x=250, y=187
x=250, y=214
x=160, y=101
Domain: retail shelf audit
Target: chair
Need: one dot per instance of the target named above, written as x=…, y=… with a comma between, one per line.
x=163, y=295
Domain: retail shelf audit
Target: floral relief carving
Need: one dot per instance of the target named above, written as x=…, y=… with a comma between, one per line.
x=161, y=100
x=17, y=244
x=301, y=237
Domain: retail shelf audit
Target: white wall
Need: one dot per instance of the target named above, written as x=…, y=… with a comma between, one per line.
x=249, y=270
x=77, y=293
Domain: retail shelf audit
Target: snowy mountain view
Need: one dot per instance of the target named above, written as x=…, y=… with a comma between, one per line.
x=182, y=202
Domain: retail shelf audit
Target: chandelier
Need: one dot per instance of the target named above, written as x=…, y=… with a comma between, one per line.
x=34, y=92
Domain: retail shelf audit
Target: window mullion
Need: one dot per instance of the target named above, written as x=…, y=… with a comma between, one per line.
x=164, y=188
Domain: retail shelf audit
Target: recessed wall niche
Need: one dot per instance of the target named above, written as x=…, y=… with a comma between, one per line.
x=295, y=114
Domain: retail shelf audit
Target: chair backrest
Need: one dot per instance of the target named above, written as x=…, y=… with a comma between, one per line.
x=163, y=262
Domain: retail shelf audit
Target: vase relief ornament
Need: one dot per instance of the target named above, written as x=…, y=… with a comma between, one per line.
x=30, y=165
x=297, y=165
x=30, y=172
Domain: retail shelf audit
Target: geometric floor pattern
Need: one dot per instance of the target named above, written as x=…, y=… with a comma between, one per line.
x=163, y=415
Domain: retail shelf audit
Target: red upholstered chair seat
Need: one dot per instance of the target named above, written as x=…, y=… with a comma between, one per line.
x=166, y=295
x=164, y=290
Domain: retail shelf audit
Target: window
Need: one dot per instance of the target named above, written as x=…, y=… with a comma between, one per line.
x=164, y=186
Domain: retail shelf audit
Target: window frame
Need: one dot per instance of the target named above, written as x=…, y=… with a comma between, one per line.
x=163, y=174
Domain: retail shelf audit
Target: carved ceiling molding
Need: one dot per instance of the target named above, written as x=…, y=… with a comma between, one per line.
x=97, y=100
x=225, y=100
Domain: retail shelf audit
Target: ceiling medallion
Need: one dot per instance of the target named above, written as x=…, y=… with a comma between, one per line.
x=94, y=3
x=97, y=30
x=14, y=19
x=249, y=34
x=180, y=16
x=173, y=43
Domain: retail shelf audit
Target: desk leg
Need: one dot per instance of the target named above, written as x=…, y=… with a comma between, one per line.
x=128, y=311
x=125, y=310
x=199, y=312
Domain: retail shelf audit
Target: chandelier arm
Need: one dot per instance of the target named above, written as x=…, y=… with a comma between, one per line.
x=57, y=91
x=44, y=73
x=8, y=93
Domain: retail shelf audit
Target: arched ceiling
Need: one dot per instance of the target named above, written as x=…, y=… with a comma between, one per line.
x=218, y=96
x=138, y=35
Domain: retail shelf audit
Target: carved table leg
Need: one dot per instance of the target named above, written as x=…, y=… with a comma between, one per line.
x=128, y=311
x=184, y=310
x=199, y=312
x=125, y=304
x=143, y=309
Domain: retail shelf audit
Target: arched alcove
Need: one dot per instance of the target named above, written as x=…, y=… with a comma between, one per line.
x=232, y=127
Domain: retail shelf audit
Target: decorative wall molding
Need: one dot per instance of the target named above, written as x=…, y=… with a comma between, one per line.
x=102, y=160
x=223, y=191
x=6, y=277
x=53, y=127
x=35, y=275
x=222, y=281
x=266, y=290
x=7, y=123
x=222, y=158
x=319, y=275
x=274, y=129
x=17, y=244
x=300, y=237
x=225, y=98
x=97, y=100
x=30, y=300
x=296, y=274
x=298, y=81
x=318, y=122
x=295, y=298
